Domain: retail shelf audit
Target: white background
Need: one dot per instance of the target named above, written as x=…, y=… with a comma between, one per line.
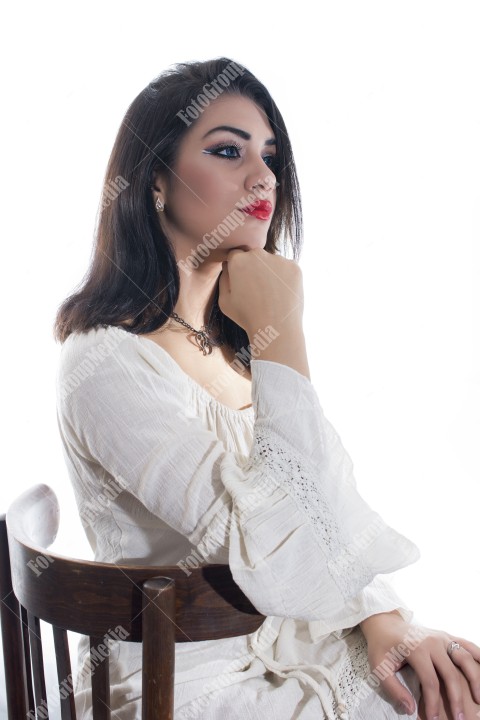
x=381, y=101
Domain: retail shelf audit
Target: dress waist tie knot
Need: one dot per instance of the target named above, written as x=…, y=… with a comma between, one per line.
x=296, y=671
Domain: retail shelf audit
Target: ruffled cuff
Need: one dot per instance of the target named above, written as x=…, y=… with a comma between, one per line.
x=300, y=453
x=291, y=551
x=378, y=597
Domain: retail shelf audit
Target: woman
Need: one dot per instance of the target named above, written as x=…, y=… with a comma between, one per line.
x=184, y=397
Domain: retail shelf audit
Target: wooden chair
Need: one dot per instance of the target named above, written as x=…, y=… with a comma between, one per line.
x=156, y=606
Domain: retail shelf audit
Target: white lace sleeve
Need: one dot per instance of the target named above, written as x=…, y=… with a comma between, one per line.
x=297, y=510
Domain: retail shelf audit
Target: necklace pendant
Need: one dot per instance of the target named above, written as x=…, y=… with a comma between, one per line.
x=203, y=343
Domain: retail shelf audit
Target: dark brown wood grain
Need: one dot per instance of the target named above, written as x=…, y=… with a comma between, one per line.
x=36, y=652
x=27, y=659
x=154, y=605
x=12, y=636
x=64, y=672
x=100, y=683
x=158, y=647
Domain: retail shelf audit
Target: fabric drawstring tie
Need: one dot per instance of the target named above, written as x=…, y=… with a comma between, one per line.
x=296, y=671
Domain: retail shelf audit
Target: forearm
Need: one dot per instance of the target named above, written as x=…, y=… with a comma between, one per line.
x=288, y=348
x=373, y=621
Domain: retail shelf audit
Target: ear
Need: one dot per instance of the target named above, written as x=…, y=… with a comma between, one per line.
x=159, y=186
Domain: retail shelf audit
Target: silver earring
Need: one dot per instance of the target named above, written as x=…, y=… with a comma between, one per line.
x=159, y=205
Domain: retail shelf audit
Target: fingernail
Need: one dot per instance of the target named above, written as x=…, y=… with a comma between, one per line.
x=406, y=707
x=461, y=716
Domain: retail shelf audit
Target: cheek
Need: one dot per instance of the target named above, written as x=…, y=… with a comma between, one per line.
x=206, y=187
x=200, y=200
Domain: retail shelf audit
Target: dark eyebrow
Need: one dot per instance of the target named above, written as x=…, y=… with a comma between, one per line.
x=242, y=133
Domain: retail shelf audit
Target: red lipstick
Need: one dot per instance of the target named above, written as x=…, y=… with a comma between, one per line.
x=261, y=209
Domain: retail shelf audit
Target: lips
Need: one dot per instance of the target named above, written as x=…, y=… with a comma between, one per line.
x=261, y=209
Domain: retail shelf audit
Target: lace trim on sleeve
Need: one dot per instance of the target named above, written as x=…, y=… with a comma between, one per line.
x=290, y=472
x=353, y=673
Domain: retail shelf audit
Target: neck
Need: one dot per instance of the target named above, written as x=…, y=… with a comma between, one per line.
x=196, y=296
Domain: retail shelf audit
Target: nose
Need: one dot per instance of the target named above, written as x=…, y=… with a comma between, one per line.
x=261, y=177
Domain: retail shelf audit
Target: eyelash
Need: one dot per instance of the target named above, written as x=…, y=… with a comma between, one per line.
x=222, y=146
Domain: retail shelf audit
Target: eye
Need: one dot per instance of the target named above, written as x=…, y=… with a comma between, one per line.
x=225, y=146
x=274, y=162
x=235, y=146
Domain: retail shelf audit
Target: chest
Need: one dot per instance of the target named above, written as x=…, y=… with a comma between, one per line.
x=227, y=381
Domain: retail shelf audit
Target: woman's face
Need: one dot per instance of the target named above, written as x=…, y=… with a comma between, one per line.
x=207, y=185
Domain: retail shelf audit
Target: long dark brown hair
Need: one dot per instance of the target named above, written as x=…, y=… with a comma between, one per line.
x=133, y=272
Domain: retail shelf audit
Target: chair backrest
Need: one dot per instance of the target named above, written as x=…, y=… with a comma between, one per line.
x=156, y=606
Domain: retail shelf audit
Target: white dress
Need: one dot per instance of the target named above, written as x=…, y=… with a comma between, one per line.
x=268, y=490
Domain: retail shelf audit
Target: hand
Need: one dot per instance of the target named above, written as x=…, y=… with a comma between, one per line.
x=258, y=288
x=426, y=652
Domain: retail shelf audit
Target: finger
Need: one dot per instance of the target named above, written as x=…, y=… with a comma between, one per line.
x=473, y=649
x=451, y=677
x=402, y=698
x=386, y=671
x=429, y=681
x=235, y=251
x=462, y=658
x=224, y=269
x=224, y=280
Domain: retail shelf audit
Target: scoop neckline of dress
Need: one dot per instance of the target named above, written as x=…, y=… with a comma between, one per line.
x=240, y=411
